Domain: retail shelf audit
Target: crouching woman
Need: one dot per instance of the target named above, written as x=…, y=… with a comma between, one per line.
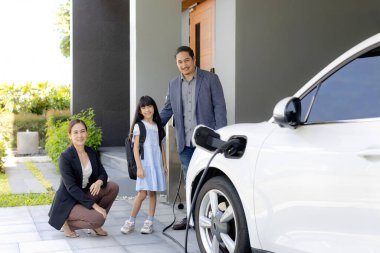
x=84, y=196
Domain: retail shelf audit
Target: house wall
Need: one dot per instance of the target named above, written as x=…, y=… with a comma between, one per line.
x=100, y=53
x=225, y=18
x=225, y=60
x=280, y=45
x=185, y=29
x=155, y=35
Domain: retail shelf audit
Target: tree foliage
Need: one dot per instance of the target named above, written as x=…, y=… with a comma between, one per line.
x=63, y=27
x=33, y=98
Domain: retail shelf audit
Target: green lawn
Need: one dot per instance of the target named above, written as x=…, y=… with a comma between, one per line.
x=27, y=199
x=4, y=185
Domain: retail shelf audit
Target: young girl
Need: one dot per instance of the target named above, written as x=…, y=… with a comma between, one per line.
x=151, y=170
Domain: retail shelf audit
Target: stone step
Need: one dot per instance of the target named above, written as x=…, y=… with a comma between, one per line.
x=115, y=163
x=127, y=187
x=114, y=157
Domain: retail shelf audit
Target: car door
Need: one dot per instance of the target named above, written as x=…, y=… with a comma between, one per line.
x=317, y=187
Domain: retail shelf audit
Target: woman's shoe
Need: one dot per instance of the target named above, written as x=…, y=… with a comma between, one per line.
x=72, y=234
x=100, y=232
x=68, y=232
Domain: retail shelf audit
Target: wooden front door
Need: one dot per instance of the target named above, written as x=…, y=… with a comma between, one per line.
x=202, y=34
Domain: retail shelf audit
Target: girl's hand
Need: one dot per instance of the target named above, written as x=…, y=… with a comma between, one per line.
x=140, y=172
x=165, y=170
x=95, y=187
x=100, y=210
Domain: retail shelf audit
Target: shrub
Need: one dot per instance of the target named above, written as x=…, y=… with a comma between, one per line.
x=10, y=96
x=57, y=139
x=2, y=156
x=57, y=134
x=59, y=98
x=6, y=127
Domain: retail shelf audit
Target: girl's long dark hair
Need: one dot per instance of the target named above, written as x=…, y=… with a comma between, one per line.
x=146, y=101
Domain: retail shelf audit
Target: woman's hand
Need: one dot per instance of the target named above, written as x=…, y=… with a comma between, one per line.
x=95, y=187
x=140, y=172
x=100, y=210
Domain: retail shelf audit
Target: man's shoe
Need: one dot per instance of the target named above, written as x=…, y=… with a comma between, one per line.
x=181, y=225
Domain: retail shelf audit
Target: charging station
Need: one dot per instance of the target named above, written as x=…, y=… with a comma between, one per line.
x=174, y=167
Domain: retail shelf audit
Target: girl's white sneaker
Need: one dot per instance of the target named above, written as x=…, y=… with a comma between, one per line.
x=127, y=227
x=147, y=228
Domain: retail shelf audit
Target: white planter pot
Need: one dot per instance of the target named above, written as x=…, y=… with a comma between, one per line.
x=27, y=143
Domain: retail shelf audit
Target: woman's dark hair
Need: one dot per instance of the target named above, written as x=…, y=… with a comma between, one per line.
x=146, y=101
x=74, y=122
x=184, y=49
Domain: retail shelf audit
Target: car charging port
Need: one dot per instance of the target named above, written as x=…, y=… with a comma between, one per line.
x=236, y=148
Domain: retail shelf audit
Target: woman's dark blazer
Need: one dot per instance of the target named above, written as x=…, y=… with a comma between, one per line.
x=70, y=191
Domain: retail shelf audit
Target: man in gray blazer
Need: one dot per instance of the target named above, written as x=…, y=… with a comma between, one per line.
x=194, y=97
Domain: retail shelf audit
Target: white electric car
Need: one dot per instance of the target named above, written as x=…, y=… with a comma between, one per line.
x=308, y=180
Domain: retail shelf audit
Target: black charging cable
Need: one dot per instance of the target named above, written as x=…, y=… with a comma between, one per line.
x=229, y=146
x=217, y=151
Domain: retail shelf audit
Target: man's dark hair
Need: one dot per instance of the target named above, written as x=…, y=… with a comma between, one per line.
x=184, y=49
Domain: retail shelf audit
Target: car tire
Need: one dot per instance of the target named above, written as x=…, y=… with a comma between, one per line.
x=220, y=222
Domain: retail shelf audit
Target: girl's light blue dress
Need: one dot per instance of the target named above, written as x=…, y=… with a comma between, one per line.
x=154, y=179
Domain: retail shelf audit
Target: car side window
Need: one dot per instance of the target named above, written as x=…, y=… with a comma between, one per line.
x=352, y=92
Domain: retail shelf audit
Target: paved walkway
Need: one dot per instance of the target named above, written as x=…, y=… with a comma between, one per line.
x=25, y=229
x=21, y=180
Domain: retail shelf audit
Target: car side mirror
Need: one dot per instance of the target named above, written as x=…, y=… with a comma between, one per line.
x=287, y=112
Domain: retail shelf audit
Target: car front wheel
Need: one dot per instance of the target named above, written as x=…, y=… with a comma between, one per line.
x=219, y=218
